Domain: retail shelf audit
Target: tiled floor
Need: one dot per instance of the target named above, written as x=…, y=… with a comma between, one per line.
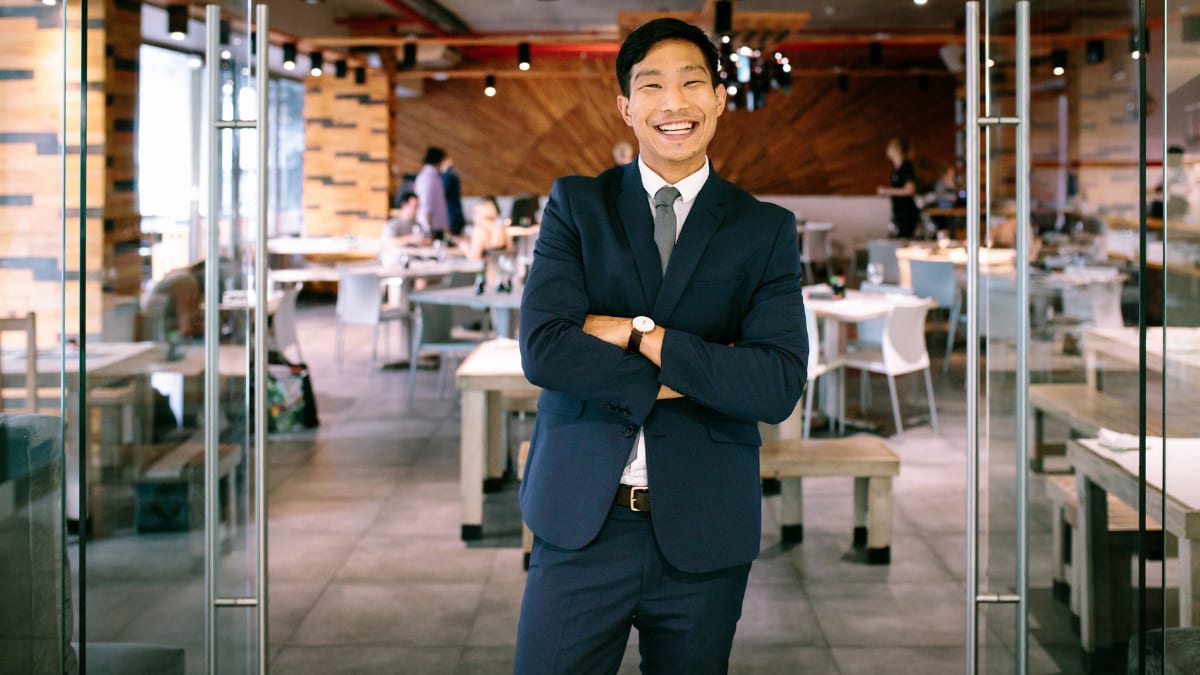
x=368, y=575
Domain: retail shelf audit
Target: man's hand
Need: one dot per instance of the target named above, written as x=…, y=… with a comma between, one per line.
x=614, y=330
x=666, y=392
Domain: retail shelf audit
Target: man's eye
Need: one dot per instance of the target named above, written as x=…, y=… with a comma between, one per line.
x=651, y=85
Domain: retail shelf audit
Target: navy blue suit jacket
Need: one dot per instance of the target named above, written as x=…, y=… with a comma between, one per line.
x=733, y=277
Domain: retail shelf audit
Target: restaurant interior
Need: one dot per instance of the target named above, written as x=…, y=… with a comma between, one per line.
x=996, y=436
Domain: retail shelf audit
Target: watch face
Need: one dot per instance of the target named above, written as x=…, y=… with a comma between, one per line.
x=643, y=324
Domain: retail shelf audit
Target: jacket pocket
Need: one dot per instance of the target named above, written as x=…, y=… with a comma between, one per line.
x=734, y=431
x=560, y=404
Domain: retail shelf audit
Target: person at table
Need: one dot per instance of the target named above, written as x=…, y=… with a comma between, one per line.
x=622, y=153
x=488, y=232
x=431, y=193
x=663, y=319
x=945, y=196
x=1004, y=233
x=452, y=186
x=174, y=304
x=901, y=187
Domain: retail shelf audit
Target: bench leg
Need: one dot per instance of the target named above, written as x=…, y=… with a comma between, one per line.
x=792, y=511
x=1189, y=582
x=861, y=509
x=1059, y=546
x=879, y=521
x=1092, y=571
x=1039, y=437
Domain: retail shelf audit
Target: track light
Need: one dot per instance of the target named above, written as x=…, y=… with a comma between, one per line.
x=489, y=85
x=843, y=82
x=315, y=62
x=360, y=75
x=339, y=69
x=923, y=82
x=289, y=56
x=723, y=19
x=1095, y=51
x=223, y=32
x=177, y=21
x=1058, y=60
x=523, y=60
x=875, y=53
x=410, y=55
x=1139, y=44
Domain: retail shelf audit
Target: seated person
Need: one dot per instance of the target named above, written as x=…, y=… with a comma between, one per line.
x=1004, y=234
x=488, y=232
x=404, y=229
x=173, y=304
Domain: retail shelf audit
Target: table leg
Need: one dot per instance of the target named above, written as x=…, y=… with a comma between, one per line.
x=879, y=520
x=861, y=509
x=831, y=392
x=497, y=442
x=791, y=515
x=1092, y=570
x=1189, y=582
x=473, y=459
x=1089, y=366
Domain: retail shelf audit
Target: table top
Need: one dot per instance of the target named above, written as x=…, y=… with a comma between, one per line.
x=410, y=270
x=1117, y=471
x=1182, y=353
x=103, y=358
x=856, y=306
x=323, y=245
x=494, y=365
x=1081, y=276
x=958, y=256
x=465, y=296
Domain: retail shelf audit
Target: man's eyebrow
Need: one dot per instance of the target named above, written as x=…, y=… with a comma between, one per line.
x=647, y=73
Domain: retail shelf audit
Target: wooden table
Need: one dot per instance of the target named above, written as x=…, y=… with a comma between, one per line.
x=1182, y=356
x=990, y=259
x=488, y=372
x=1100, y=471
x=410, y=270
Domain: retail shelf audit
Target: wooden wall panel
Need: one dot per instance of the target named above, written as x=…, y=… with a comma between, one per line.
x=346, y=155
x=818, y=140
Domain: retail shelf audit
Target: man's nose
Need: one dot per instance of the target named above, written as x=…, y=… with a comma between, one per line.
x=675, y=99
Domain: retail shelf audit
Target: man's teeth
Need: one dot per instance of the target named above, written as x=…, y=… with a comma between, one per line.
x=675, y=127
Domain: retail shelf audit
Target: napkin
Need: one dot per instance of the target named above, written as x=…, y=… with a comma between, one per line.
x=1115, y=440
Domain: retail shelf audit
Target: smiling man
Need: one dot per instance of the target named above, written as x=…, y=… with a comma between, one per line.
x=663, y=319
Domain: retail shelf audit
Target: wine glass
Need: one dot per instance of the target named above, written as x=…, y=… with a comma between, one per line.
x=875, y=273
x=943, y=239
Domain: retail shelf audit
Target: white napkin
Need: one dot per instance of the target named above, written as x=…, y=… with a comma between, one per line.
x=1115, y=440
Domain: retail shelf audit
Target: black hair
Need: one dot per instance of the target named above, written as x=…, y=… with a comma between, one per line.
x=434, y=155
x=492, y=199
x=405, y=196
x=641, y=40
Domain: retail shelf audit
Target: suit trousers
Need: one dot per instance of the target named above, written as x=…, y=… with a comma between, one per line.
x=579, y=606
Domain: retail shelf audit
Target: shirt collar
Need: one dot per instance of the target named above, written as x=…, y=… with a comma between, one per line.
x=689, y=188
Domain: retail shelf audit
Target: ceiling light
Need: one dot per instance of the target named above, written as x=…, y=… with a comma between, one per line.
x=920, y=2
x=177, y=21
x=360, y=75
x=723, y=18
x=523, y=54
x=410, y=55
x=339, y=68
x=875, y=53
x=49, y=3
x=289, y=56
x=226, y=54
x=843, y=82
x=223, y=32
x=1058, y=59
x=315, y=61
x=489, y=85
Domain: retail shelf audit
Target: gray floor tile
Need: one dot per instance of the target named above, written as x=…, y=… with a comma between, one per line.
x=416, y=560
x=892, y=614
x=422, y=615
x=900, y=660
x=775, y=660
x=296, y=555
x=369, y=660
x=328, y=516
x=496, y=623
x=777, y=614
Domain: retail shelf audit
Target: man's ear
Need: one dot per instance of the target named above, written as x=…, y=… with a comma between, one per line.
x=722, y=94
x=623, y=108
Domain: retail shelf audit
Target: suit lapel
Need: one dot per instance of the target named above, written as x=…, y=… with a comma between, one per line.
x=634, y=209
x=702, y=222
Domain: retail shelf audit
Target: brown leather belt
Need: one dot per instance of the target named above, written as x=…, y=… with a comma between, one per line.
x=635, y=498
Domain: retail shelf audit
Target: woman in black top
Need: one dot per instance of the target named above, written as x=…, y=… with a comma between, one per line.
x=903, y=185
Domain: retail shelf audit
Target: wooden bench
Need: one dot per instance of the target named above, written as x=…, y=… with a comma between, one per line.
x=1085, y=410
x=1122, y=546
x=866, y=459
x=170, y=491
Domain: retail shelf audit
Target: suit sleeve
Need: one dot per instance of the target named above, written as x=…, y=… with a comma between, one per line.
x=555, y=352
x=762, y=376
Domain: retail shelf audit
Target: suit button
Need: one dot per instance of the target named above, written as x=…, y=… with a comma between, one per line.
x=629, y=430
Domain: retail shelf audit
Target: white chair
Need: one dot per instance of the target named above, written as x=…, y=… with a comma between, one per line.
x=817, y=368
x=283, y=325
x=937, y=280
x=902, y=351
x=883, y=251
x=817, y=248
x=433, y=332
x=360, y=301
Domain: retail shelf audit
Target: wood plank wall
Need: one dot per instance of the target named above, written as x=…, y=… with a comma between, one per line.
x=34, y=218
x=346, y=155
x=818, y=140
x=122, y=221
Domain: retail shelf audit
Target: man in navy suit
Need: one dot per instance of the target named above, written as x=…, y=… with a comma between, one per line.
x=657, y=358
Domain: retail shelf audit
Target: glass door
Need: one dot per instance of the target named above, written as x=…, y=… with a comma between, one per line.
x=1065, y=550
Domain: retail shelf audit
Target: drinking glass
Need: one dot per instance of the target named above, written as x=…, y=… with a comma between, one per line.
x=875, y=273
x=943, y=239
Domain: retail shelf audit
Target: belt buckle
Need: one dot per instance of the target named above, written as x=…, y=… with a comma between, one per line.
x=633, y=493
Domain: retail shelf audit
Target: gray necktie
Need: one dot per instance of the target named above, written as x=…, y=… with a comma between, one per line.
x=664, y=222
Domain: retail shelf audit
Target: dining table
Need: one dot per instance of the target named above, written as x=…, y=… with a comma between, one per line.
x=1178, y=357
x=489, y=372
x=1171, y=492
x=991, y=260
x=500, y=305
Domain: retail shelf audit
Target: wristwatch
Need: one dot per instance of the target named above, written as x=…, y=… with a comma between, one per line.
x=641, y=326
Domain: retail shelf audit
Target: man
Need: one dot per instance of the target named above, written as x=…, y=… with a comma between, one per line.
x=401, y=225
x=622, y=153
x=428, y=186
x=642, y=483
x=452, y=187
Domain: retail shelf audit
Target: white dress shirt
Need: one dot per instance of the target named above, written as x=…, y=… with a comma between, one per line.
x=689, y=189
